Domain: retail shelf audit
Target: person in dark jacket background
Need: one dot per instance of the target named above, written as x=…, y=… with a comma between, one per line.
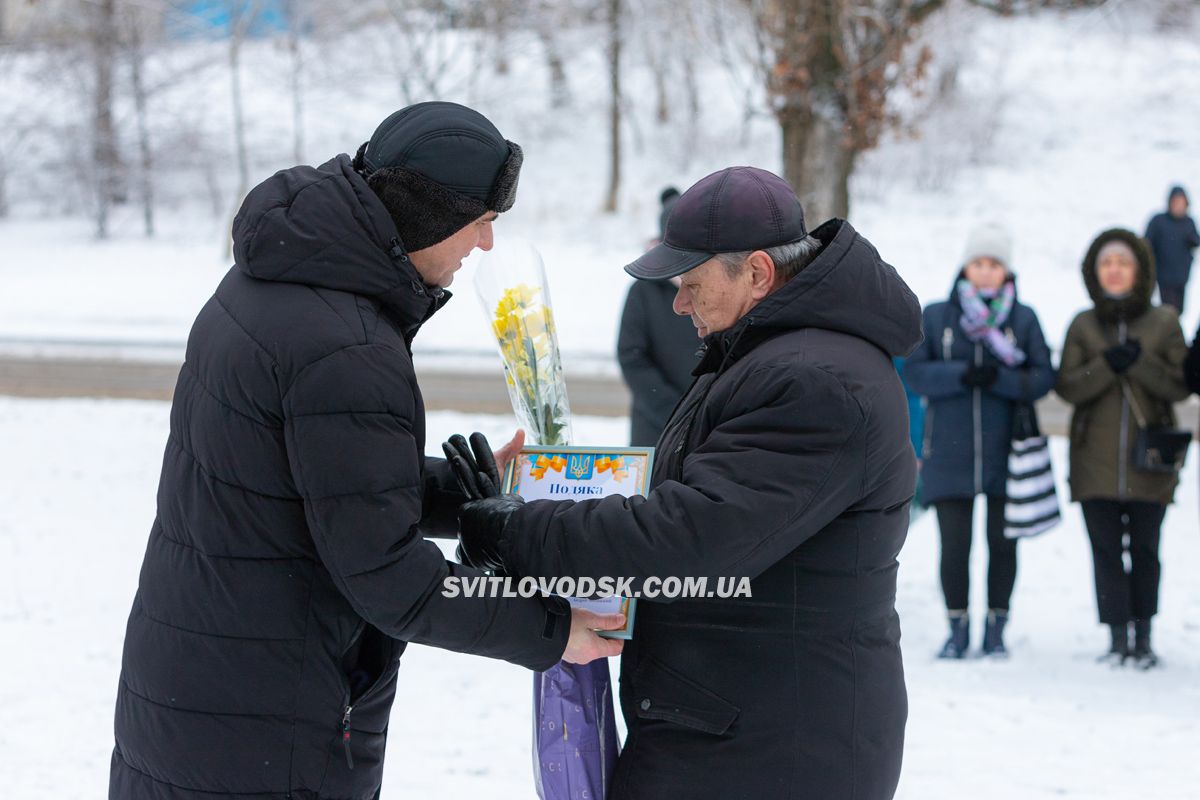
x=916, y=434
x=1173, y=238
x=286, y=569
x=1122, y=363
x=656, y=348
x=983, y=353
x=788, y=462
x=1191, y=365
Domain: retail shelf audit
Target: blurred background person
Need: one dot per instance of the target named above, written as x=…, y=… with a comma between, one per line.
x=1123, y=359
x=1173, y=238
x=1191, y=366
x=983, y=353
x=656, y=348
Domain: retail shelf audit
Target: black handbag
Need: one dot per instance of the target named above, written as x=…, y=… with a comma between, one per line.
x=1160, y=449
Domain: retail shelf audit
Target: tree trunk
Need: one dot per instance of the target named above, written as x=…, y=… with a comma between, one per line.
x=692, y=85
x=817, y=148
x=560, y=90
x=239, y=119
x=213, y=186
x=614, y=71
x=657, y=59
x=137, y=63
x=239, y=27
x=104, y=136
x=817, y=162
x=297, y=85
x=500, y=33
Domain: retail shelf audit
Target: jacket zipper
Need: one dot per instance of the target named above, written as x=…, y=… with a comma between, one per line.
x=927, y=445
x=977, y=403
x=346, y=736
x=1122, y=448
x=359, y=630
x=676, y=463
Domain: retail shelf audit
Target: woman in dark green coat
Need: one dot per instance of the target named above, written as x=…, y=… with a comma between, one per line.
x=1122, y=367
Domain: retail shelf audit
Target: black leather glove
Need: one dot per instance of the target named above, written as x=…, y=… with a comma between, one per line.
x=981, y=376
x=1122, y=356
x=474, y=466
x=481, y=541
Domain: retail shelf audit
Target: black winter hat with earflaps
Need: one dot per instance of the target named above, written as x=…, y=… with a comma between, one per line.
x=438, y=167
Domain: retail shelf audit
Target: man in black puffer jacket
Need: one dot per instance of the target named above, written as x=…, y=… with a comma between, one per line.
x=788, y=462
x=287, y=569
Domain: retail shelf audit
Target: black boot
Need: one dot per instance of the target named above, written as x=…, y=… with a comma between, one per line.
x=1118, y=651
x=1143, y=656
x=993, y=633
x=956, y=645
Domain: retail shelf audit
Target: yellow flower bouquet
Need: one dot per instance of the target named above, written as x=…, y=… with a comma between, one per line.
x=511, y=283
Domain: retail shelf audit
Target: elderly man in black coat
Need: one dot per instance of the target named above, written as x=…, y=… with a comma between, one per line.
x=788, y=462
x=287, y=570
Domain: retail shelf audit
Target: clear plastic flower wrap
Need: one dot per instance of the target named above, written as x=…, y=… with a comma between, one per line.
x=511, y=283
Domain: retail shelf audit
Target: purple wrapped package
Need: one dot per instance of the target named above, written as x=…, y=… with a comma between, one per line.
x=574, y=734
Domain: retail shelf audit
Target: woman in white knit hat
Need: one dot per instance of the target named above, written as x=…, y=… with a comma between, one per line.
x=983, y=354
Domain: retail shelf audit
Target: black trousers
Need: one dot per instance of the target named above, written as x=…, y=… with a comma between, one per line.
x=1114, y=528
x=954, y=521
x=1172, y=296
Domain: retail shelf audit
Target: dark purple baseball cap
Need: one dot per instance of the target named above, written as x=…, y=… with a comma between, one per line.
x=731, y=211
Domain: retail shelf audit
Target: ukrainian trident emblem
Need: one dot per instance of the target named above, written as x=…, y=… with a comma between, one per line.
x=579, y=467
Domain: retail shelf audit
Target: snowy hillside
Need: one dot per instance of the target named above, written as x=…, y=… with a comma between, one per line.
x=1061, y=126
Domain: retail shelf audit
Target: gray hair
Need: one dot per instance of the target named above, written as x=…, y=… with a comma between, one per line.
x=790, y=259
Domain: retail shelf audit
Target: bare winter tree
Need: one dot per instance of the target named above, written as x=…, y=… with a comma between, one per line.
x=142, y=35
x=653, y=24
x=106, y=159
x=298, y=17
x=829, y=66
x=12, y=133
x=614, y=82
x=138, y=24
x=421, y=53
x=242, y=17
x=546, y=18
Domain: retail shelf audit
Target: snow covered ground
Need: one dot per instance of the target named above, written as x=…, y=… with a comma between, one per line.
x=77, y=482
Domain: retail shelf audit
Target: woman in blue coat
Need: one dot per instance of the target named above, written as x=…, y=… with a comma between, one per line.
x=983, y=354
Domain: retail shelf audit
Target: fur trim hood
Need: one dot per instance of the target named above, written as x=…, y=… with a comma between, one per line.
x=1138, y=301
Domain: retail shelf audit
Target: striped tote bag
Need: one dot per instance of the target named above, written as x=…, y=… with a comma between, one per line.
x=1032, y=503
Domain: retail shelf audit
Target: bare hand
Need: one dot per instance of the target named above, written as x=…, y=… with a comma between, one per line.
x=584, y=645
x=509, y=451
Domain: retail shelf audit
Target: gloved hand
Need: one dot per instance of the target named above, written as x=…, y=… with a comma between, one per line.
x=474, y=466
x=981, y=376
x=481, y=523
x=1122, y=356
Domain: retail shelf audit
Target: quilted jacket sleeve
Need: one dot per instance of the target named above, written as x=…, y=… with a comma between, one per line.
x=349, y=433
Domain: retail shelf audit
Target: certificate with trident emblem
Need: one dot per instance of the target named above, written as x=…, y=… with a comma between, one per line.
x=584, y=473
